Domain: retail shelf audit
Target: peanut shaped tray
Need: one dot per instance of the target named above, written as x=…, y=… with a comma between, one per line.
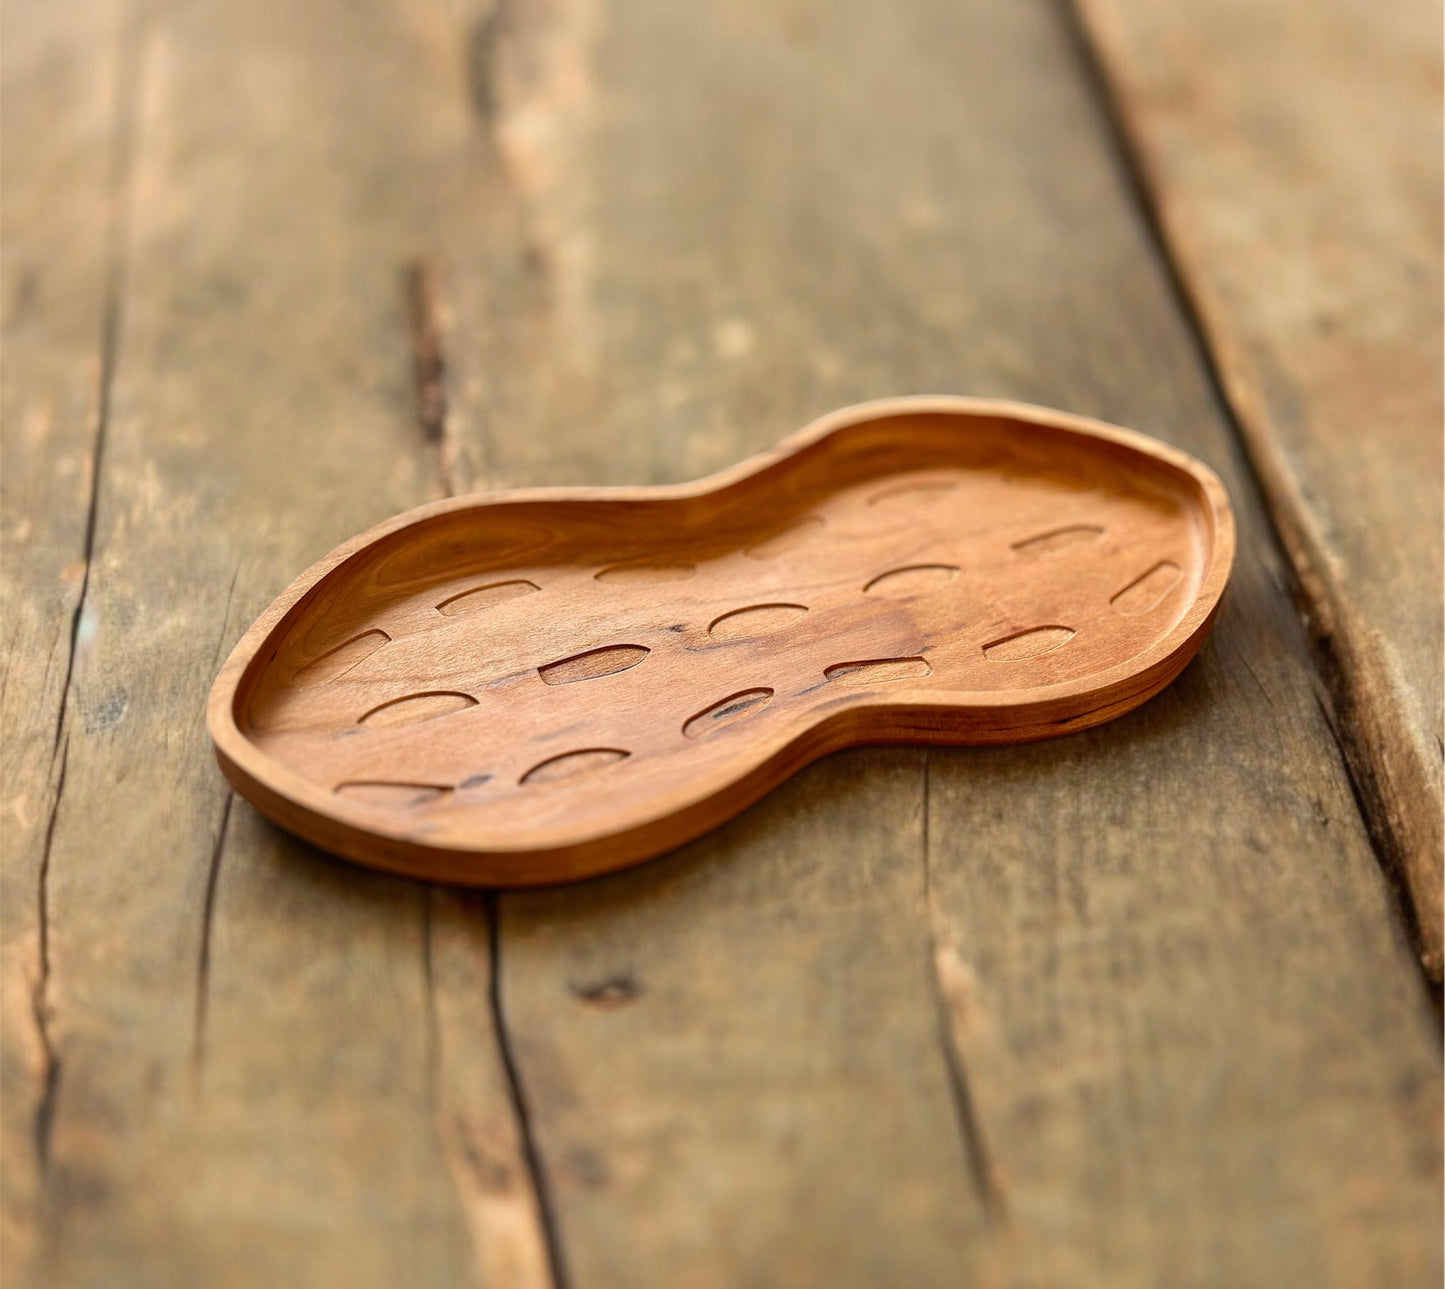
x=528, y=687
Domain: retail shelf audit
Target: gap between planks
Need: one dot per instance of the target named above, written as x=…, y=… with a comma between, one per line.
x=1311, y=601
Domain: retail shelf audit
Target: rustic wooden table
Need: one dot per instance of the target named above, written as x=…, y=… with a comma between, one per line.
x=1139, y=1007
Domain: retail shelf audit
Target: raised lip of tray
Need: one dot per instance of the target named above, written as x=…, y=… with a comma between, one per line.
x=350, y=829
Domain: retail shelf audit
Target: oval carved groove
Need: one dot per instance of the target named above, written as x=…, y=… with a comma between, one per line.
x=569, y=765
x=594, y=664
x=1148, y=590
x=755, y=620
x=878, y=671
x=730, y=710
x=1057, y=540
x=392, y=796
x=646, y=573
x=415, y=708
x=914, y=579
x=1023, y=645
x=483, y=597
x=335, y=663
x=921, y=491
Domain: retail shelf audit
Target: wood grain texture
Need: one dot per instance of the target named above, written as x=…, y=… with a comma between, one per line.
x=253, y=1079
x=915, y=570
x=58, y=79
x=735, y=1057
x=1130, y=1008
x=1293, y=153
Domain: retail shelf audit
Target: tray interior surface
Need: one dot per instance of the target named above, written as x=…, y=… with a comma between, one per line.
x=515, y=673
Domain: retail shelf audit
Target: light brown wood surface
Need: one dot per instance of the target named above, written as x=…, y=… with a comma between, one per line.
x=1131, y=1007
x=57, y=172
x=926, y=570
x=1293, y=153
x=180, y=1114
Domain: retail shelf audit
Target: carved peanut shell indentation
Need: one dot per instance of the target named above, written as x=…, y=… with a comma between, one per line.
x=587, y=760
x=1057, y=540
x=335, y=663
x=593, y=664
x=483, y=597
x=913, y=493
x=412, y=709
x=727, y=711
x=755, y=620
x=416, y=703
x=878, y=671
x=1147, y=591
x=914, y=579
x=392, y=796
x=1024, y=645
x=645, y=573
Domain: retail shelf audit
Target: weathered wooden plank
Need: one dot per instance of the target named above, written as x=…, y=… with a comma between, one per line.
x=731, y=1061
x=253, y=1083
x=1293, y=153
x=57, y=79
x=1185, y=1040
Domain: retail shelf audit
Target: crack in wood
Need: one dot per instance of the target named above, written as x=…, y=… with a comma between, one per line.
x=1258, y=683
x=44, y=1122
x=126, y=106
x=226, y=618
x=952, y=1007
x=429, y=366
x=531, y=1155
x=1392, y=862
x=112, y=310
x=203, y=959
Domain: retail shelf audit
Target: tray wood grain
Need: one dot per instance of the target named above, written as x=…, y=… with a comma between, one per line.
x=530, y=687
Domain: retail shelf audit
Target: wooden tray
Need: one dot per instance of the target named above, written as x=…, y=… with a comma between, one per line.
x=528, y=687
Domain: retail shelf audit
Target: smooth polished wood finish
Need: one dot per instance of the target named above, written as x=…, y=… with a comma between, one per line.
x=527, y=688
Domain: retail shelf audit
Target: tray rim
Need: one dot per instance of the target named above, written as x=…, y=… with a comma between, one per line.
x=350, y=830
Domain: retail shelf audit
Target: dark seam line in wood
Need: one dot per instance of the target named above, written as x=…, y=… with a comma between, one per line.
x=117, y=238
x=1311, y=603
x=203, y=959
x=226, y=619
x=531, y=1155
x=428, y=356
x=97, y=456
x=976, y=1149
x=39, y=1003
x=1355, y=757
x=1254, y=676
x=482, y=45
x=484, y=42
x=127, y=96
x=1409, y=915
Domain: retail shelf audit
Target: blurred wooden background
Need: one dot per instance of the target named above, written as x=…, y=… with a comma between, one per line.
x=1149, y=1006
